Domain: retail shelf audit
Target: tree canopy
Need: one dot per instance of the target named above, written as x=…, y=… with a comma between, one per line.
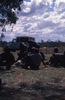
x=7, y=11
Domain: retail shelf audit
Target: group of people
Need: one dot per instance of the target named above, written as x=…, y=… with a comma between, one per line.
x=57, y=58
x=29, y=55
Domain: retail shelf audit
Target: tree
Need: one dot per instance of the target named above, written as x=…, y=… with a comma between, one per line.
x=2, y=36
x=7, y=11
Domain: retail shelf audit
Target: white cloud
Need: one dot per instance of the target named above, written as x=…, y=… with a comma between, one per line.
x=59, y=5
x=43, y=19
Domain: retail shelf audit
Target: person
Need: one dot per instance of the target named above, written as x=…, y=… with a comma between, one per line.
x=30, y=55
x=6, y=58
x=23, y=51
x=55, y=58
x=33, y=46
x=56, y=50
x=63, y=60
x=34, y=57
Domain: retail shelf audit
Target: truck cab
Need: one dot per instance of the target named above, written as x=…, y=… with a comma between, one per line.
x=14, y=45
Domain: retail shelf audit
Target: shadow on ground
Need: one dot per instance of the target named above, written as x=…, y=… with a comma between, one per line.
x=36, y=91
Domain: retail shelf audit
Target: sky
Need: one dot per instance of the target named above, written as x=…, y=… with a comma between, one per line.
x=41, y=19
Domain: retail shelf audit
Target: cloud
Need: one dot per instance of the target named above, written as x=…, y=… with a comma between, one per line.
x=34, y=7
x=60, y=5
x=43, y=19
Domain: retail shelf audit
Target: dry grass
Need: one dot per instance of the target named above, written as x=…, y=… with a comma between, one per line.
x=48, y=83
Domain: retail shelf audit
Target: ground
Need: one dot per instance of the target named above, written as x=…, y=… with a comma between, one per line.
x=48, y=83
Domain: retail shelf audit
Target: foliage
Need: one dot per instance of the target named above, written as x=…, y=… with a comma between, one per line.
x=50, y=43
x=2, y=36
x=7, y=11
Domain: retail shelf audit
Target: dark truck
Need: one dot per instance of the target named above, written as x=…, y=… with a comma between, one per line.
x=14, y=45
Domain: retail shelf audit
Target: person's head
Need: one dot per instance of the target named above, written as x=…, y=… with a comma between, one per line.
x=22, y=45
x=34, y=49
x=33, y=44
x=55, y=50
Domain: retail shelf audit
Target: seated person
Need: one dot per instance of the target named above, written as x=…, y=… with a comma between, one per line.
x=56, y=58
x=33, y=60
x=63, y=60
x=35, y=48
x=6, y=58
x=33, y=45
x=23, y=50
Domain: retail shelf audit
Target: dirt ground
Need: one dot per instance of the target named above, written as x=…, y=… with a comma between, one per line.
x=48, y=83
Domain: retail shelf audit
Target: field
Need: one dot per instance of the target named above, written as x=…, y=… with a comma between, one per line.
x=48, y=83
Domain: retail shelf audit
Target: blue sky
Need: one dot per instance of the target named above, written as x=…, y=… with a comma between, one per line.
x=42, y=19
